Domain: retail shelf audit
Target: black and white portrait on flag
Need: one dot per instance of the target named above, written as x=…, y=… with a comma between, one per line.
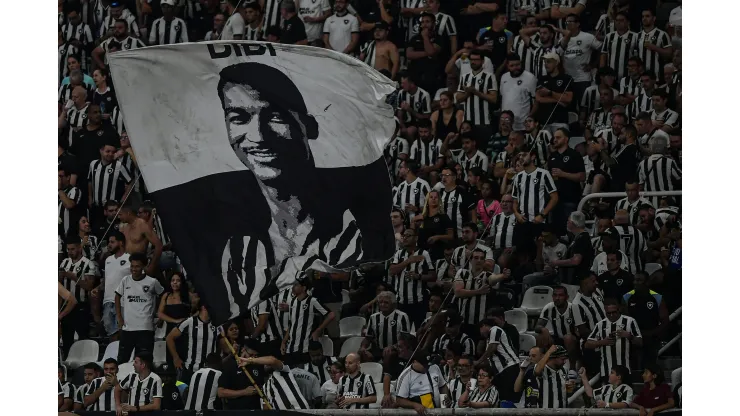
x=260, y=168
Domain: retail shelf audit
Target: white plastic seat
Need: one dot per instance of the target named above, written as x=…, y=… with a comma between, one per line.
x=378, y=396
x=651, y=268
x=124, y=370
x=374, y=370
x=572, y=117
x=160, y=353
x=345, y=296
x=82, y=352
x=535, y=298
x=526, y=343
x=676, y=377
x=328, y=345
x=518, y=318
x=351, y=326
x=111, y=351
x=160, y=332
x=572, y=291
x=350, y=345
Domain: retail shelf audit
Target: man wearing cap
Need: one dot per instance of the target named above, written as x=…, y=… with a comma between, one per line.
x=553, y=385
x=314, y=13
x=235, y=387
x=341, y=30
x=553, y=95
x=381, y=53
x=168, y=29
x=453, y=334
x=418, y=386
x=293, y=31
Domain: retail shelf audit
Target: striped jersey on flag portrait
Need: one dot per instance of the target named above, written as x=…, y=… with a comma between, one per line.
x=287, y=175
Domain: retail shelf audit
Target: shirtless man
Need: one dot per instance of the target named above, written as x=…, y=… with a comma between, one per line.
x=138, y=235
x=381, y=53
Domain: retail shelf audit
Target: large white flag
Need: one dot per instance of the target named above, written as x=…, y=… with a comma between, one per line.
x=264, y=161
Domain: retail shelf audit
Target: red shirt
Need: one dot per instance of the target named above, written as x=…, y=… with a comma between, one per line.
x=650, y=399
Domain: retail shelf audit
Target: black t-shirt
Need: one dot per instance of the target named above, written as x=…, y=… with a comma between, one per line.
x=293, y=30
x=615, y=285
x=171, y=397
x=471, y=24
x=645, y=309
x=513, y=334
x=425, y=69
x=369, y=12
x=570, y=161
x=86, y=145
x=581, y=245
x=627, y=158
x=554, y=84
x=436, y=225
x=68, y=161
x=531, y=390
x=397, y=366
x=498, y=42
x=107, y=101
x=100, y=230
x=233, y=378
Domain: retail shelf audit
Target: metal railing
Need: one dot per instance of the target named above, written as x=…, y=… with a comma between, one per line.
x=675, y=339
x=578, y=393
x=469, y=411
x=614, y=195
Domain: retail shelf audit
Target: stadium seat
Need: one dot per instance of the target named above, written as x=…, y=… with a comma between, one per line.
x=160, y=353
x=81, y=353
x=111, y=351
x=378, y=395
x=351, y=326
x=374, y=370
x=572, y=291
x=518, y=318
x=535, y=298
x=651, y=268
x=328, y=345
x=526, y=342
x=124, y=370
x=160, y=332
x=572, y=118
x=676, y=377
x=350, y=345
x=345, y=296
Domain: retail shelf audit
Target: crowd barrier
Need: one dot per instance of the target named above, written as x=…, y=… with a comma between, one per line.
x=398, y=412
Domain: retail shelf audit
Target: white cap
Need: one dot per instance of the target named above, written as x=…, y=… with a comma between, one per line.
x=552, y=55
x=167, y=2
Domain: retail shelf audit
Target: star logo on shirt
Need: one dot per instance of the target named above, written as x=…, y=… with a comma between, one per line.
x=560, y=82
x=619, y=282
x=519, y=82
x=393, y=323
x=110, y=170
x=146, y=290
x=100, y=132
x=579, y=42
x=145, y=391
x=123, y=262
x=502, y=39
x=345, y=22
x=174, y=396
x=650, y=305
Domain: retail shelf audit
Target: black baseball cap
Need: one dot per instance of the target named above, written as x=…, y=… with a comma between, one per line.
x=382, y=25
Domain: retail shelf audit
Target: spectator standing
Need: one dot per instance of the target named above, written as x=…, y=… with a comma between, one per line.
x=425, y=150
x=552, y=373
x=144, y=387
x=302, y=326
x=633, y=201
x=100, y=396
x=74, y=116
x=555, y=325
x=203, y=387
x=615, y=281
x=355, y=390
x=234, y=29
x=653, y=45
x=478, y=92
x=117, y=266
x=78, y=275
x=202, y=338
x=381, y=53
x=168, y=29
x=413, y=191
x=314, y=14
x=503, y=358
x=568, y=171
x=619, y=46
x=414, y=102
x=136, y=297
x=65, y=50
x=617, y=394
x=219, y=20
x=655, y=395
x=518, y=88
x=591, y=99
x=103, y=96
x=580, y=253
x=423, y=53
x=235, y=387
x=579, y=47
x=456, y=202
x=631, y=240
x=614, y=336
x=502, y=227
x=651, y=314
x=435, y=228
x=534, y=192
x=341, y=30
x=78, y=33
x=462, y=256
x=453, y=334
x=253, y=29
x=107, y=179
x=410, y=268
x=69, y=197
x=266, y=324
x=292, y=29
x=495, y=41
x=555, y=92
x=281, y=388
x=120, y=40
x=487, y=207
x=471, y=287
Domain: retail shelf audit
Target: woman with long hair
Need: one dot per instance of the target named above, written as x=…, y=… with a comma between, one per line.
x=89, y=241
x=656, y=395
x=447, y=120
x=235, y=337
x=484, y=394
x=435, y=227
x=104, y=96
x=73, y=63
x=174, y=307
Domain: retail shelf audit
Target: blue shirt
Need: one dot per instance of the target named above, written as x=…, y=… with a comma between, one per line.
x=87, y=80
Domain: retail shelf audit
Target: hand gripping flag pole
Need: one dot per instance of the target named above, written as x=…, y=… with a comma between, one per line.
x=249, y=376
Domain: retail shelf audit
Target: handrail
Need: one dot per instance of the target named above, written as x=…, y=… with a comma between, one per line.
x=670, y=343
x=578, y=393
x=675, y=314
x=622, y=195
x=469, y=411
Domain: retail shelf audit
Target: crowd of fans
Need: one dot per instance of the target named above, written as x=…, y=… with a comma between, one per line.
x=508, y=113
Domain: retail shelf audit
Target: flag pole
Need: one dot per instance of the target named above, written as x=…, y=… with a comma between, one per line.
x=249, y=376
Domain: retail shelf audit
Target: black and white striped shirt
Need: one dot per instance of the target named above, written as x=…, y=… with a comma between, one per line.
x=109, y=22
x=82, y=267
x=541, y=143
x=76, y=118
x=633, y=208
x=661, y=217
x=409, y=23
x=273, y=329
x=632, y=242
x=604, y=25
x=126, y=44
x=588, y=310
x=251, y=33
x=668, y=116
x=106, y=402
x=658, y=173
x=65, y=51
x=88, y=248
x=320, y=371
x=302, y=322
x=504, y=356
x=203, y=389
x=358, y=387
x=168, y=32
x=651, y=60
x=285, y=296
x=425, y=153
x=457, y=204
x=202, y=340
x=532, y=191
x=609, y=394
x=82, y=33
x=393, y=150
x=271, y=13
x=142, y=392
x=457, y=388
x=537, y=67
x=489, y=395
x=80, y=396
x=591, y=99
x=66, y=216
x=478, y=110
x=553, y=394
x=618, y=49
x=502, y=230
x=409, y=291
x=472, y=308
x=387, y=328
x=440, y=344
x=116, y=120
x=368, y=50
x=526, y=52
x=559, y=324
x=419, y=100
x=619, y=353
x=65, y=92
x=413, y=193
x=282, y=391
x=478, y=160
x=643, y=102
x=629, y=86
x=461, y=255
x=600, y=119
x=67, y=390
x=108, y=181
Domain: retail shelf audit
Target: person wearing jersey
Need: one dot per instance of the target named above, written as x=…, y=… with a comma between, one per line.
x=651, y=314
x=616, y=394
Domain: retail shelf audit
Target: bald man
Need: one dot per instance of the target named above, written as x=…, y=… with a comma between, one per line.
x=74, y=116
x=355, y=390
x=631, y=240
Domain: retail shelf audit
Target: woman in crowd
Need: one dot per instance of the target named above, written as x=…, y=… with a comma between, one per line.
x=73, y=63
x=174, y=307
x=484, y=394
x=448, y=118
x=435, y=228
x=656, y=396
x=487, y=206
x=234, y=335
x=104, y=96
x=89, y=241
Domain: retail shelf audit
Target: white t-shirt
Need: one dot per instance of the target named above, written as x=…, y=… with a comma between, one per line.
x=234, y=26
x=550, y=253
x=340, y=30
x=413, y=384
x=463, y=65
x=517, y=95
x=329, y=391
x=674, y=19
x=313, y=8
x=578, y=53
x=116, y=268
x=599, y=264
x=138, y=298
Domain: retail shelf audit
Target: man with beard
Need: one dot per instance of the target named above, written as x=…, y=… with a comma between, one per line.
x=616, y=281
x=478, y=90
x=381, y=53
x=320, y=364
x=314, y=13
x=554, y=94
x=423, y=53
x=547, y=44
x=608, y=244
x=119, y=40
x=623, y=162
x=425, y=150
x=341, y=30
x=517, y=91
x=568, y=170
x=633, y=201
x=530, y=190
x=538, y=139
